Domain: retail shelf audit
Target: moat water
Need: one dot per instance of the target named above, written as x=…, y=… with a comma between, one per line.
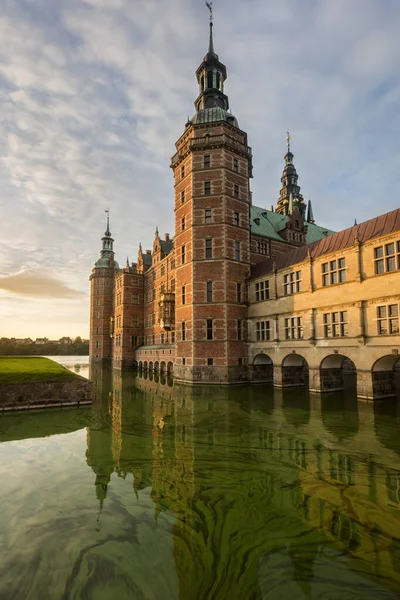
x=161, y=492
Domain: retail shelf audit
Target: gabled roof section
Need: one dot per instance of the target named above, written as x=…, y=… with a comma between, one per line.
x=382, y=225
x=147, y=259
x=267, y=223
x=167, y=246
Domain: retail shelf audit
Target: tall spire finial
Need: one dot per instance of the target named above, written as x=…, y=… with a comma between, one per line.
x=211, y=42
x=108, y=222
x=288, y=139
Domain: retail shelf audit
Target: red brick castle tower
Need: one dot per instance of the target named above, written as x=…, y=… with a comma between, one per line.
x=212, y=167
x=102, y=301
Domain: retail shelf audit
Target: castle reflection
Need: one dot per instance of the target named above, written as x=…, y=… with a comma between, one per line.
x=250, y=473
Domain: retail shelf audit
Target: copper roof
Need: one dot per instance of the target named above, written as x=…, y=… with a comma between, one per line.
x=382, y=225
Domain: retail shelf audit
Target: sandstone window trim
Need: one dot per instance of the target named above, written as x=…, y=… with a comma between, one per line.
x=236, y=165
x=236, y=219
x=293, y=328
x=388, y=319
x=333, y=272
x=209, y=329
x=263, y=331
x=207, y=161
x=182, y=196
x=208, y=215
x=182, y=171
x=262, y=290
x=183, y=331
x=387, y=258
x=236, y=191
x=183, y=254
x=239, y=329
x=183, y=222
x=292, y=283
x=335, y=324
x=207, y=188
x=183, y=294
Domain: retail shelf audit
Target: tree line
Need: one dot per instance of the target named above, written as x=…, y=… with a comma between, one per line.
x=77, y=347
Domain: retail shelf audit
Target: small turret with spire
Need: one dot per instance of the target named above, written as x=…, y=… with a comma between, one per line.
x=290, y=186
x=106, y=259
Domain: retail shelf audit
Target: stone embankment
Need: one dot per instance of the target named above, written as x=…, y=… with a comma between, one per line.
x=45, y=394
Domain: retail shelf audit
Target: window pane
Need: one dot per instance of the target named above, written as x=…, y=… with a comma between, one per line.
x=325, y=268
x=391, y=264
x=333, y=265
x=381, y=312
x=325, y=280
x=389, y=248
x=394, y=325
x=343, y=316
x=341, y=263
x=379, y=267
x=382, y=327
x=378, y=252
x=334, y=277
x=393, y=310
x=342, y=276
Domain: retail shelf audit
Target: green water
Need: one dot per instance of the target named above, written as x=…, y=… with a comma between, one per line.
x=163, y=492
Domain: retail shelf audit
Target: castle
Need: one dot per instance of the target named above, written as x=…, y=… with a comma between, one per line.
x=187, y=305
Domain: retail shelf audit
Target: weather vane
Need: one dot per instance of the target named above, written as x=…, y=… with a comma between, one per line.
x=288, y=139
x=209, y=6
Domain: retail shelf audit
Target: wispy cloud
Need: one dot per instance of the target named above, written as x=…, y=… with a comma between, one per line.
x=38, y=285
x=94, y=93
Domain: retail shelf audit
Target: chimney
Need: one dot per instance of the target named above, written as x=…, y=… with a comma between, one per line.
x=148, y=252
x=166, y=237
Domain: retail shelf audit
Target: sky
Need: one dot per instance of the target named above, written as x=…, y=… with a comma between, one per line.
x=95, y=93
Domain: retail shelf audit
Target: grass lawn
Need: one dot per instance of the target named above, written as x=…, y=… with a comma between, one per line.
x=32, y=369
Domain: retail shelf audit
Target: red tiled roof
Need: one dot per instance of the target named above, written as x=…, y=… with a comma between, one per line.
x=382, y=225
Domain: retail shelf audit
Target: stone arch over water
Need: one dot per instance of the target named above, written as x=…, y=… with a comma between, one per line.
x=338, y=373
x=295, y=371
x=262, y=368
x=386, y=376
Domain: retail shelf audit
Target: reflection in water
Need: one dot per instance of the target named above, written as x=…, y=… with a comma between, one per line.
x=208, y=493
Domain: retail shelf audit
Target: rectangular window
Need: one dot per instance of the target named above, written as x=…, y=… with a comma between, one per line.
x=183, y=331
x=207, y=188
x=183, y=254
x=210, y=362
x=162, y=288
x=134, y=341
x=239, y=329
x=207, y=161
x=262, y=247
x=209, y=329
x=183, y=294
x=388, y=319
x=236, y=165
x=172, y=337
x=292, y=283
x=387, y=258
x=183, y=223
x=182, y=196
x=263, y=331
x=236, y=190
x=238, y=292
x=207, y=215
x=237, y=250
x=154, y=294
x=262, y=291
x=184, y=361
x=240, y=361
x=334, y=272
x=162, y=271
x=182, y=171
x=208, y=248
x=209, y=291
x=153, y=318
x=153, y=339
x=162, y=338
x=172, y=285
x=294, y=328
x=236, y=219
x=335, y=324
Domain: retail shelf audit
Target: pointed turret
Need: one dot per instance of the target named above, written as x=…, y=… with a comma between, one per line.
x=106, y=259
x=212, y=104
x=310, y=215
x=290, y=186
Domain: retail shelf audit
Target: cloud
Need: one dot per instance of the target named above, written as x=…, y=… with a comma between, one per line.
x=94, y=94
x=39, y=285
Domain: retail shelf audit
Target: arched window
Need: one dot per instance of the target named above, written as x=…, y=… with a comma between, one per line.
x=218, y=81
x=210, y=79
x=202, y=83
